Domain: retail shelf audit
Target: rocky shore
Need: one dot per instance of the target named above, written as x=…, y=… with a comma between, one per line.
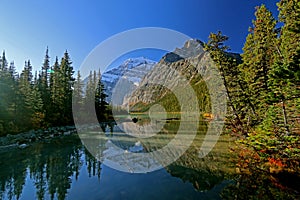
x=23, y=140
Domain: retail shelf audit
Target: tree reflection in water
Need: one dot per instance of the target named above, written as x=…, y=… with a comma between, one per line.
x=50, y=165
x=53, y=165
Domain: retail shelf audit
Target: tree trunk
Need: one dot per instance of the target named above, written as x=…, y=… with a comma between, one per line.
x=239, y=125
x=284, y=117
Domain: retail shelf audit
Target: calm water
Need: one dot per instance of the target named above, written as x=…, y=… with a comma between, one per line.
x=62, y=168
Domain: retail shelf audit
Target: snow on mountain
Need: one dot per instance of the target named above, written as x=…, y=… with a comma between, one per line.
x=130, y=73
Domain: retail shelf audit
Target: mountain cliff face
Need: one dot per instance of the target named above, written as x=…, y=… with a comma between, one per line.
x=129, y=74
x=157, y=85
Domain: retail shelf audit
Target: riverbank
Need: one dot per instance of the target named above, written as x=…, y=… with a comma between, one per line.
x=22, y=140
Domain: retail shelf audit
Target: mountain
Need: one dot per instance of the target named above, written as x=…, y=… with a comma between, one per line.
x=125, y=77
x=139, y=83
x=159, y=84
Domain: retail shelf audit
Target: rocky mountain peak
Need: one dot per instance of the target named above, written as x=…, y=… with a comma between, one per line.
x=130, y=72
x=191, y=48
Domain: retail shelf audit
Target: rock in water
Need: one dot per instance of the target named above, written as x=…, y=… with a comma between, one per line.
x=23, y=146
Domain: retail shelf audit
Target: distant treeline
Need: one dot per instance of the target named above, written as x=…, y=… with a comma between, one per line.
x=44, y=99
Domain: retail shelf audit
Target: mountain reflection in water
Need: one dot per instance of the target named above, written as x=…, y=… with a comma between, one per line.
x=62, y=168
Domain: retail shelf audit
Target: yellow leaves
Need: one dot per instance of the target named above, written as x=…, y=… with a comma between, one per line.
x=37, y=119
x=208, y=115
x=242, y=171
x=275, y=170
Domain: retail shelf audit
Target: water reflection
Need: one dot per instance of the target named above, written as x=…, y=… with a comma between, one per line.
x=54, y=169
x=160, y=150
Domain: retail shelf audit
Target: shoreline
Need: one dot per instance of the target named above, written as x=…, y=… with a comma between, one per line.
x=23, y=140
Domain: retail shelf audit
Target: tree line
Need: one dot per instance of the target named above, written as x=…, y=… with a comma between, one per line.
x=264, y=101
x=44, y=99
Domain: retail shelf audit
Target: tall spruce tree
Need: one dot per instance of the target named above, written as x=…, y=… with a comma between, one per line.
x=7, y=94
x=56, y=94
x=284, y=77
x=43, y=84
x=78, y=99
x=29, y=101
x=89, y=98
x=78, y=91
x=12, y=94
x=257, y=58
x=3, y=63
x=66, y=84
x=90, y=89
x=100, y=100
x=227, y=64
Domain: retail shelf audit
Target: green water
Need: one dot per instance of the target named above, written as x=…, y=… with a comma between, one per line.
x=62, y=168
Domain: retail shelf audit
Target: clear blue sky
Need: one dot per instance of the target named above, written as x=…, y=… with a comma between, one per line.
x=27, y=27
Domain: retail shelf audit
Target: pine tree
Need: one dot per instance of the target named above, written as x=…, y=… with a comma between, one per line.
x=89, y=89
x=12, y=94
x=229, y=72
x=43, y=84
x=66, y=84
x=89, y=98
x=61, y=86
x=257, y=58
x=54, y=82
x=24, y=88
x=8, y=100
x=45, y=70
x=7, y=94
x=38, y=115
x=29, y=101
x=12, y=71
x=3, y=63
x=78, y=91
x=284, y=77
x=289, y=14
x=78, y=99
x=100, y=100
x=55, y=94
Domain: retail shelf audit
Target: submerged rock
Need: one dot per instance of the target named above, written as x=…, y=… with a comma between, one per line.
x=67, y=133
x=23, y=146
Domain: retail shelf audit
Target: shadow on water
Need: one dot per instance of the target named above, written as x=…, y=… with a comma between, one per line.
x=62, y=168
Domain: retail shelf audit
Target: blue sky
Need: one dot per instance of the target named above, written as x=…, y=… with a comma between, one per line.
x=28, y=27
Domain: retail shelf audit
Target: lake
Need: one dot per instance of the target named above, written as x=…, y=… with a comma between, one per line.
x=63, y=168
